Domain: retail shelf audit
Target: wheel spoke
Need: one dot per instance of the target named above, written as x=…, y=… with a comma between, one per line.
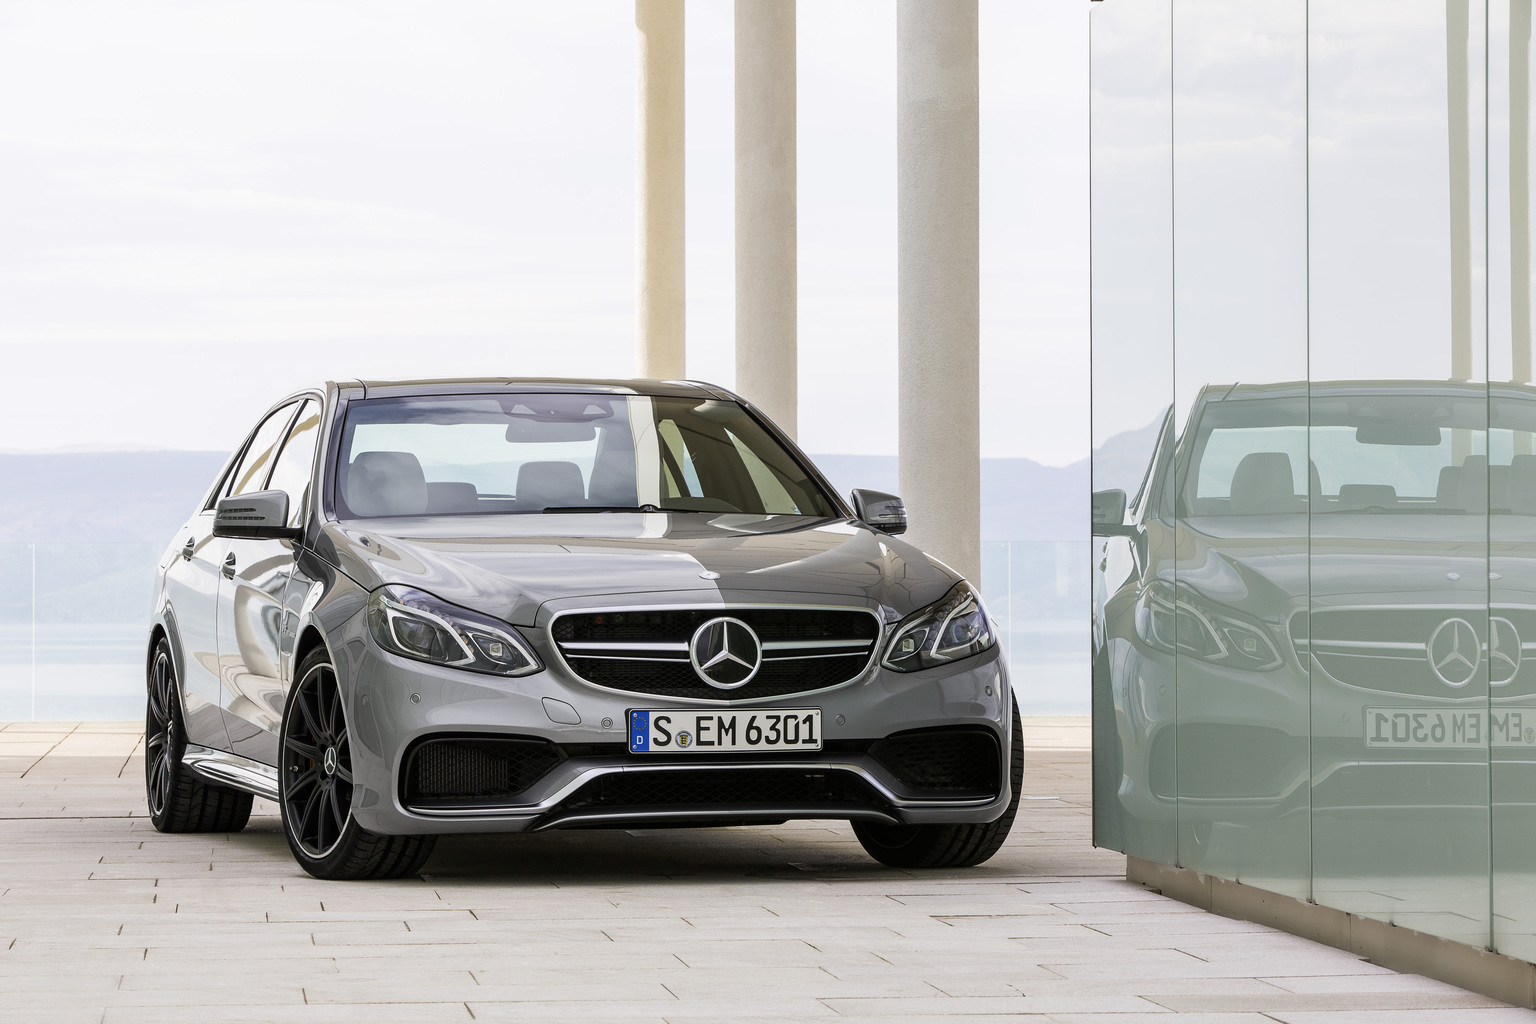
x=344, y=774
x=309, y=717
x=308, y=778
x=307, y=750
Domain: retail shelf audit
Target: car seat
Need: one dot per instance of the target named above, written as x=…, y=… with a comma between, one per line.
x=386, y=484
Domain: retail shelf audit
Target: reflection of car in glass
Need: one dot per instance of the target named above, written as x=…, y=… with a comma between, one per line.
x=1307, y=593
x=411, y=609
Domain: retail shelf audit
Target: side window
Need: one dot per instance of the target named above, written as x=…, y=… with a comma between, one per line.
x=291, y=473
x=251, y=472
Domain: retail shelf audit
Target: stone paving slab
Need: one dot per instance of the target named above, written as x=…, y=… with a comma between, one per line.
x=105, y=921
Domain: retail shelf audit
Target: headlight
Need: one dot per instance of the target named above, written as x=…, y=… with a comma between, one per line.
x=1187, y=624
x=417, y=625
x=948, y=630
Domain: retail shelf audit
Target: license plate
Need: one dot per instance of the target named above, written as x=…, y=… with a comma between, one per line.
x=1437, y=727
x=666, y=732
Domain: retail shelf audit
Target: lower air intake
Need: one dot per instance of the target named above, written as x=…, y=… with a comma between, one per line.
x=947, y=761
x=762, y=790
x=470, y=771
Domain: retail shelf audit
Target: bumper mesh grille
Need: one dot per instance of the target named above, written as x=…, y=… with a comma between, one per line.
x=749, y=790
x=942, y=760
x=460, y=771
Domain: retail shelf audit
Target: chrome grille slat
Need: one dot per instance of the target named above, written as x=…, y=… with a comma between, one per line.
x=645, y=650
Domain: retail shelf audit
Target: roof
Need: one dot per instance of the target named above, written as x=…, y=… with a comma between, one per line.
x=471, y=385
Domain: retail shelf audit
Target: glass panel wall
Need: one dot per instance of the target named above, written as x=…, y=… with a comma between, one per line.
x=1134, y=692
x=1239, y=484
x=1328, y=583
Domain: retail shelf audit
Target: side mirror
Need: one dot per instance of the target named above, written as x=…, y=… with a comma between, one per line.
x=880, y=511
x=1109, y=514
x=260, y=515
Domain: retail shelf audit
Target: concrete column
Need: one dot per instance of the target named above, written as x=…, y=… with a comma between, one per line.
x=1520, y=188
x=1458, y=122
x=659, y=246
x=938, y=280
x=766, y=217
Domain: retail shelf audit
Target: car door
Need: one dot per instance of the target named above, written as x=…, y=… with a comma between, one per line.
x=192, y=594
x=253, y=576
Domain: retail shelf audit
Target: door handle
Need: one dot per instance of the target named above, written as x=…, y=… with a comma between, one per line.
x=228, y=568
x=188, y=548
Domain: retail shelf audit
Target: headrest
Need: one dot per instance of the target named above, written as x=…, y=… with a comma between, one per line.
x=613, y=479
x=1473, y=492
x=1522, y=485
x=452, y=496
x=1262, y=485
x=1448, y=490
x=386, y=484
x=545, y=484
x=1360, y=496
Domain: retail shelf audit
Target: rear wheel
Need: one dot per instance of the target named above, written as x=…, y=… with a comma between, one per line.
x=947, y=846
x=317, y=784
x=178, y=800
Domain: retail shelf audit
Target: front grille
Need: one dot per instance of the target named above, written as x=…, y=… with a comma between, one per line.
x=468, y=771
x=942, y=760
x=766, y=790
x=1387, y=648
x=643, y=651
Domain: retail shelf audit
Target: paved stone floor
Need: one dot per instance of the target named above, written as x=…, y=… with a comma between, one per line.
x=104, y=920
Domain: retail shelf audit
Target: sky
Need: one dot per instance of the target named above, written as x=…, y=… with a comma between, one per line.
x=204, y=206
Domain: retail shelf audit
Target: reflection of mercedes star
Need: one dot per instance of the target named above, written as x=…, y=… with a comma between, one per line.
x=1325, y=593
x=407, y=609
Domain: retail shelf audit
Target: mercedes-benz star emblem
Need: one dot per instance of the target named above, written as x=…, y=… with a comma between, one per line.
x=329, y=761
x=1503, y=651
x=1454, y=652
x=725, y=653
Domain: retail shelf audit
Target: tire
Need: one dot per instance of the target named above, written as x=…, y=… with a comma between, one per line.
x=947, y=846
x=316, y=784
x=180, y=801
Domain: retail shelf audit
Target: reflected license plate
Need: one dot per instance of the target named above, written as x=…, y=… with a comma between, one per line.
x=671, y=731
x=1437, y=727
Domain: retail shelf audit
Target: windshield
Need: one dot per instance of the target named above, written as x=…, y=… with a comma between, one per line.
x=1369, y=453
x=489, y=454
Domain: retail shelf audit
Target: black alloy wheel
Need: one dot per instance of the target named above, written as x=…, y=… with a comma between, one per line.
x=947, y=846
x=318, y=764
x=317, y=785
x=178, y=800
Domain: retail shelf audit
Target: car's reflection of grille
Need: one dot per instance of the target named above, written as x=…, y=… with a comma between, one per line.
x=647, y=651
x=748, y=790
x=1387, y=648
x=459, y=771
x=942, y=760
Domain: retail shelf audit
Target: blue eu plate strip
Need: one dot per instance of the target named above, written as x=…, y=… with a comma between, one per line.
x=639, y=732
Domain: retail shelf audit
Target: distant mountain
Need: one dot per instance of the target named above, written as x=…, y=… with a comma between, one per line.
x=102, y=496
x=1121, y=461
x=1020, y=498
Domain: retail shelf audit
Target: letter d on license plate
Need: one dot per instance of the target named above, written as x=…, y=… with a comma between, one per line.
x=676, y=732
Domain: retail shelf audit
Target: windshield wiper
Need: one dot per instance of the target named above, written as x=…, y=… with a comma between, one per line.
x=569, y=509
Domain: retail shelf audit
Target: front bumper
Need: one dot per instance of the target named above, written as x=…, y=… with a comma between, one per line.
x=394, y=704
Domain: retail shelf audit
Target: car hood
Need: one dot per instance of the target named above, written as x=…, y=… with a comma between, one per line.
x=1259, y=564
x=509, y=566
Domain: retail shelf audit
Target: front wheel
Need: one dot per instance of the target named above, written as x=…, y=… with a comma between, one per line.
x=947, y=846
x=316, y=786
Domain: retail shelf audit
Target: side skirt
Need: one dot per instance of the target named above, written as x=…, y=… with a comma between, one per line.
x=223, y=768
